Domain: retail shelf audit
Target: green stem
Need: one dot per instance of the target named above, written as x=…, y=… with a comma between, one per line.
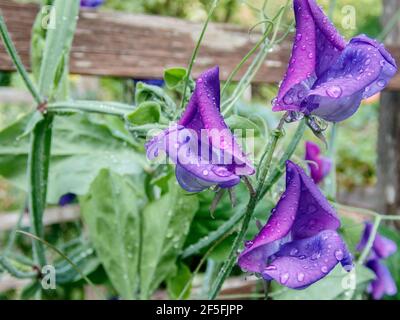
x=38, y=170
x=246, y=57
x=254, y=66
x=111, y=108
x=332, y=156
x=265, y=166
x=12, y=51
x=235, y=219
x=196, y=50
x=280, y=167
x=365, y=253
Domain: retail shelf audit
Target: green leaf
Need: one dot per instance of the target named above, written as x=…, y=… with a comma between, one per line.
x=177, y=283
x=166, y=223
x=82, y=146
x=174, y=77
x=145, y=92
x=55, y=60
x=30, y=290
x=236, y=122
x=333, y=286
x=85, y=259
x=146, y=112
x=111, y=212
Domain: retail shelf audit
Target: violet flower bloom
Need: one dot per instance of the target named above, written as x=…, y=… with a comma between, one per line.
x=66, y=199
x=153, y=82
x=200, y=144
x=299, y=245
x=91, y=3
x=382, y=248
x=319, y=166
x=326, y=76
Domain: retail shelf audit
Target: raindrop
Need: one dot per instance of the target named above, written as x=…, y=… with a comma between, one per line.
x=248, y=244
x=270, y=268
x=324, y=269
x=339, y=255
x=293, y=252
x=284, y=278
x=221, y=171
x=299, y=36
x=288, y=100
x=300, y=276
x=381, y=83
x=367, y=62
x=315, y=256
x=205, y=172
x=334, y=91
x=310, y=55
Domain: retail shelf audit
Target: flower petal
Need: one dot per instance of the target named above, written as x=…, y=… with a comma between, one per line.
x=302, y=212
x=384, y=283
x=277, y=230
x=320, y=166
x=203, y=112
x=382, y=246
x=360, y=72
x=302, y=262
x=314, y=213
x=302, y=61
x=317, y=44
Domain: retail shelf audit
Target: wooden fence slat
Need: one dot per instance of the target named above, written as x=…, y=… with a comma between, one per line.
x=142, y=46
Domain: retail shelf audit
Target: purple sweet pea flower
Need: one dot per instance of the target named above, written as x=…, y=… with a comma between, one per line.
x=319, y=166
x=200, y=144
x=91, y=3
x=299, y=245
x=326, y=76
x=153, y=82
x=382, y=248
x=66, y=199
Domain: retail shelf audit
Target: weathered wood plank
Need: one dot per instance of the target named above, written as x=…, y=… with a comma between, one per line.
x=389, y=132
x=141, y=46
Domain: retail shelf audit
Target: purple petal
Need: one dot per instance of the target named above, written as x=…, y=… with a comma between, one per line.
x=382, y=246
x=277, y=230
x=300, y=263
x=66, y=199
x=203, y=112
x=301, y=212
x=91, y=3
x=317, y=43
x=360, y=72
x=314, y=213
x=384, y=283
x=320, y=166
x=302, y=61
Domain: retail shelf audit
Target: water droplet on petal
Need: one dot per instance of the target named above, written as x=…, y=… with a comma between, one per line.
x=300, y=276
x=299, y=36
x=334, y=91
x=248, y=244
x=381, y=83
x=284, y=278
x=324, y=269
x=315, y=256
x=270, y=268
x=205, y=172
x=221, y=171
x=367, y=62
x=293, y=252
x=339, y=255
